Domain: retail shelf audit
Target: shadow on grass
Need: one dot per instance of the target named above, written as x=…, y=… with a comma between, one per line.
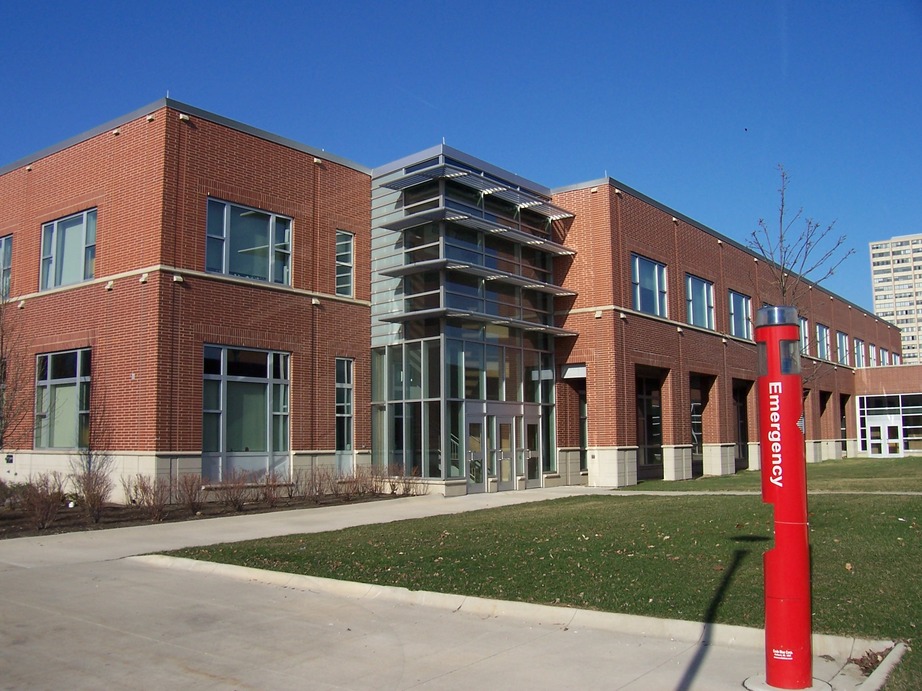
x=710, y=616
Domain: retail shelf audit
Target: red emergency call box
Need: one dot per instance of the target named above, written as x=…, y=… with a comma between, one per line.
x=788, y=625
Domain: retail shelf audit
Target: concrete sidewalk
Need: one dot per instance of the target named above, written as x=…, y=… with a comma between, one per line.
x=78, y=614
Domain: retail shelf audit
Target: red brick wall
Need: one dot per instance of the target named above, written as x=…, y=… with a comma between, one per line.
x=612, y=224
x=150, y=185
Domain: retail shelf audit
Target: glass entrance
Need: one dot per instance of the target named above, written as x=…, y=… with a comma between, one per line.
x=884, y=435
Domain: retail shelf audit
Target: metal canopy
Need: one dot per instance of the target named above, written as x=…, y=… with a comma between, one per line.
x=475, y=270
x=478, y=317
x=484, y=184
x=445, y=214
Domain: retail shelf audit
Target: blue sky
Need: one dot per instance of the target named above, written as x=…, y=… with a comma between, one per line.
x=692, y=103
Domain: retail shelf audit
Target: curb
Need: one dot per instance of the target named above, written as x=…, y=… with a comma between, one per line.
x=547, y=615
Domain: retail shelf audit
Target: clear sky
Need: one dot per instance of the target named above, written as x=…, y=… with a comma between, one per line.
x=692, y=103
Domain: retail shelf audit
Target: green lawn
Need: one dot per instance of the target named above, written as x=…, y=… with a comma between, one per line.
x=684, y=556
x=847, y=475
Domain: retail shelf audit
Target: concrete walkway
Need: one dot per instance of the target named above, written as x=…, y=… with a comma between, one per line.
x=82, y=611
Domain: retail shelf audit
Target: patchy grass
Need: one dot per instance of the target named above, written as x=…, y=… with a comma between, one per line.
x=846, y=475
x=686, y=557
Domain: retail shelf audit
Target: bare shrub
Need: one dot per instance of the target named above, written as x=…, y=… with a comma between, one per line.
x=329, y=482
x=295, y=488
x=420, y=488
x=235, y=490
x=91, y=475
x=130, y=488
x=348, y=486
x=314, y=479
x=190, y=490
x=154, y=495
x=377, y=480
x=407, y=482
x=272, y=490
x=42, y=497
x=394, y=474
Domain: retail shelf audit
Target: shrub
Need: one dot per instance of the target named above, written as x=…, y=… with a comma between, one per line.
x=190, y=490
x=91, y=475
x=272, y=490
x=153, y=495
x=235, y=490
x=42, y=497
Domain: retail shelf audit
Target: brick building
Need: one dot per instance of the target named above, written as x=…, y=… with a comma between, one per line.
x=189, y=294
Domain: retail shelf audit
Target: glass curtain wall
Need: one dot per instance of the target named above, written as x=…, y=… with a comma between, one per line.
x=472, y=350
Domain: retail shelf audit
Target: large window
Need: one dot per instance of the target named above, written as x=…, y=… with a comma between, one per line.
x=69, y=250
x=700, y=299
x=62, y=400
x=740, y=315
x=859, y=353
x=649, y=279
x=344, y=263
x=822, y=342
x=248, y=243
x=6, y=261
x=842, y=347
x=244, y=412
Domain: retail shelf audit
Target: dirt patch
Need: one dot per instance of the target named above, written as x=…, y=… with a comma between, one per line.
x=15, y=522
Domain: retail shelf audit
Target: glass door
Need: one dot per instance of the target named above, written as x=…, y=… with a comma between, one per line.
x=476, y=480
x=532, y=454
x=885, y=435
x=504, y=455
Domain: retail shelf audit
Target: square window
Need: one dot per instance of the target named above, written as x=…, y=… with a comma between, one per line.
x=247, y=243
x=69, y=250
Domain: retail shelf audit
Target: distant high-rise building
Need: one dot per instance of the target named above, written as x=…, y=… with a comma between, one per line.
x=896, y=271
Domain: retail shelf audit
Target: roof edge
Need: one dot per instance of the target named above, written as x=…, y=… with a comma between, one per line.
x=190, y=110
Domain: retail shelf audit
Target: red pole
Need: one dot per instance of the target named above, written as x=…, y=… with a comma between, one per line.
x=788, y=626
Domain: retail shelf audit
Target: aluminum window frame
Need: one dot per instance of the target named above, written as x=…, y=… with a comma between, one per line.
x=345, y=263
x=695, y=286
x=55, y=260
x=220, y=236
x=643, y=269
x=740, y=324
x=47, y=410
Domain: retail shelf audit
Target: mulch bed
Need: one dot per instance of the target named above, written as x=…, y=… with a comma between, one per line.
x=15, y=522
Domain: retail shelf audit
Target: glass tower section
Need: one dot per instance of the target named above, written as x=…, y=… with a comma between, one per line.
x=463, y=322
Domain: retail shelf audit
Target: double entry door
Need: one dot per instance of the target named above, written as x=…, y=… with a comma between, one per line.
x=503, y=448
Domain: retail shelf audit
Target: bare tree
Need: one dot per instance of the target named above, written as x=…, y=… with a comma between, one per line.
x=14, y=375
x=800, y=250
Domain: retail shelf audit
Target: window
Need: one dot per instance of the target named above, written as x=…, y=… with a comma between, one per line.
x=344, y=405
x=804, y=336
x=740, y=315
x=69, y=250
x=700, y=298
x=649, y=279
x=822, y=342
x=842, y=347
x=344, y=267
x=244, y=412
x=872, y=355
x=884, y=356
x=6, y=257
x=248, y=243
x=62, y=400
x=859, y=353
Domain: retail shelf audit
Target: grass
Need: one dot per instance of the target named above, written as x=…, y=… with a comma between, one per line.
x=849, y=475
x=684, y=556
